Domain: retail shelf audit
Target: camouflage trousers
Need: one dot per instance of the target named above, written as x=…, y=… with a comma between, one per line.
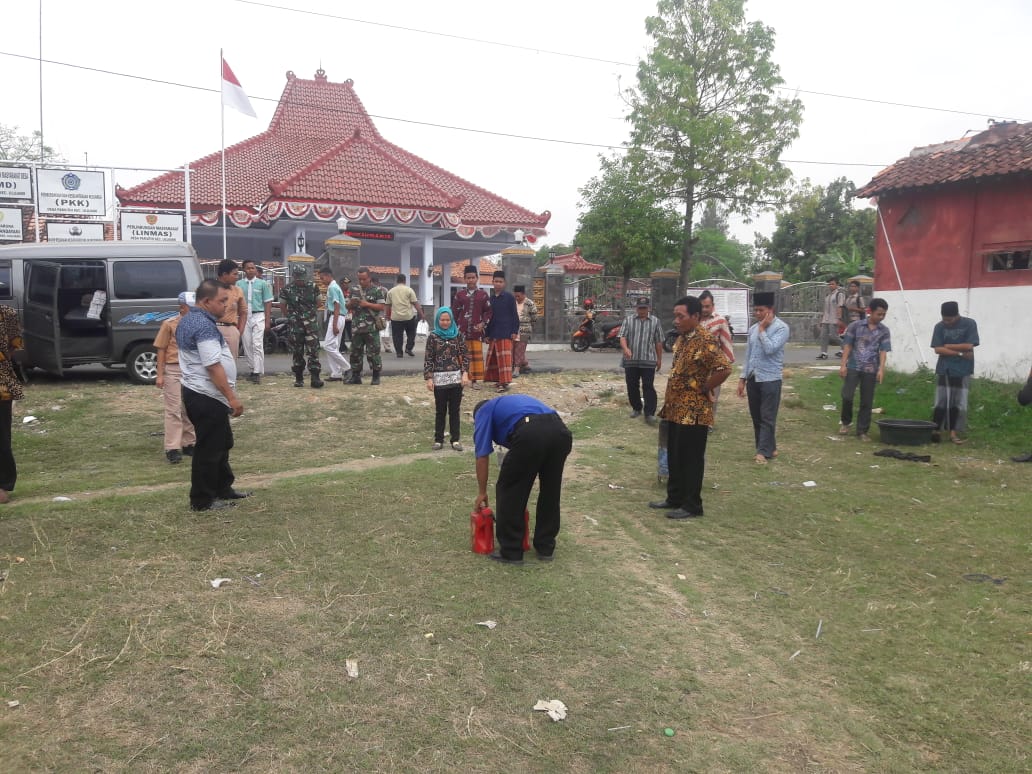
x=304, y=345
x=365, y=342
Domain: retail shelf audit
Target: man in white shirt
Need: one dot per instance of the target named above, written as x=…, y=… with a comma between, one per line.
x=258, y=298
x=404, y=313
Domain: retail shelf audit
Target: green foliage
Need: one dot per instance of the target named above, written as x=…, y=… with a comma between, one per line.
x=623, y=225
x=543, y=254
x=20, y=147
x=707, y=124
x=820, y=232
x=718, y=256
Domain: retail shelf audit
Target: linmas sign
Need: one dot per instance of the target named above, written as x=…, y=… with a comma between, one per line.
x=150, y=227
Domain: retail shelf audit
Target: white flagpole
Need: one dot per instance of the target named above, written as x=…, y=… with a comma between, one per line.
x=222, y=108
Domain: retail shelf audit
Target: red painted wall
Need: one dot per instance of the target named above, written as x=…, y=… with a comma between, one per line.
x=940, y=237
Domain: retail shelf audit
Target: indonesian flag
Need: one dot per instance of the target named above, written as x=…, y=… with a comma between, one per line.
x=233, y=94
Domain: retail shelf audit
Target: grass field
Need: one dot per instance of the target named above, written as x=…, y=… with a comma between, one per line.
x=880, y=620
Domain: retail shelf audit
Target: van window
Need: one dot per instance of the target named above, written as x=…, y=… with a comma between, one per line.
x=6, y=291
x=149, y=279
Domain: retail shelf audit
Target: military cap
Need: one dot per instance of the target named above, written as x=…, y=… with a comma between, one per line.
x=298, y=271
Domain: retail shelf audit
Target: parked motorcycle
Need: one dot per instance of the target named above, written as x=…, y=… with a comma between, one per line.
x=276, y=336
x=587, y=334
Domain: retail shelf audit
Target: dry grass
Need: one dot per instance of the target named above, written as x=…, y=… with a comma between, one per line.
x=123, y=657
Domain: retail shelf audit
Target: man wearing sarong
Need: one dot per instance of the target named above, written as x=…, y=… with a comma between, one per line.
x=954, y=341
x=503, y=328
x=472, y=307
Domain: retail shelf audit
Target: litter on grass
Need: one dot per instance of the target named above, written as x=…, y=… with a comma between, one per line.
x=62, y=499
x=218, y=583
x=555, y=708
x=488, y=624
x=351, y=667
x=809, y=484
x=29, y=420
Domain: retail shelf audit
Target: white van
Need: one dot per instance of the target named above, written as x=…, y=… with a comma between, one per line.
x=96, y=302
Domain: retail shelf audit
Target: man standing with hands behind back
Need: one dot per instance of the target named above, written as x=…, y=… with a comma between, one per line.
x=209, y=395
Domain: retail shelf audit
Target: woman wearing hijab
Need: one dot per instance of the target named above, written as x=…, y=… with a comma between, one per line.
x=446, y=370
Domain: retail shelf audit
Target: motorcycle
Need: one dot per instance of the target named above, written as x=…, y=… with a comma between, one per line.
x=671, y=337
x=276, y=337
x=585, y=336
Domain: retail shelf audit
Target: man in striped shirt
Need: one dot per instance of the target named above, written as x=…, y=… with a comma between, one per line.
x=641, y=339
x=719, y=327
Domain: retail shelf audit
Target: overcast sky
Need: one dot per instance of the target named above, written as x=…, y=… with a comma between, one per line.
x=962, y=57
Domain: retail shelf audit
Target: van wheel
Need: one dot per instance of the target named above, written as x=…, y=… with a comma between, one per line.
x=142, y=364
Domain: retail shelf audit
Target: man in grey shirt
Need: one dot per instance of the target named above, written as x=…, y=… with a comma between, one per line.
x=641, y=339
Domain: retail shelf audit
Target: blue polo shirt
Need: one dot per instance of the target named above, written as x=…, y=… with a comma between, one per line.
x=496, y=419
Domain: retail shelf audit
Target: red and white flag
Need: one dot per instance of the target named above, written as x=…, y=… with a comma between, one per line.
x=233, y=94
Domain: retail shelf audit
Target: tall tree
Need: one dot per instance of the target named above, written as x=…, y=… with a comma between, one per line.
x=22, y=147
x=713, y=219
x=623, y=226
x=819, y=232
x=707, y=124
x=717, y=256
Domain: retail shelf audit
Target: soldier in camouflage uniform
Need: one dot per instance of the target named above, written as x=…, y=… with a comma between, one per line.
x=366, y=303
x=298, y=302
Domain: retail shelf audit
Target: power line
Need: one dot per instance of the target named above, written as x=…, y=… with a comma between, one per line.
x=489, y=132
x=584, y=57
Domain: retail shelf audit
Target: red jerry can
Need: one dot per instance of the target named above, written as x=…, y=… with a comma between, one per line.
x=481, y=528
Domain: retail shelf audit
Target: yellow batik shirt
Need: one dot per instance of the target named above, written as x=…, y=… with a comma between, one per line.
x=697, y=355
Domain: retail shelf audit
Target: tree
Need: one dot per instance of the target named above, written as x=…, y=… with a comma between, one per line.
x=717, y=256
x=706, y=122
x=712, y=218
x=20, y=147
x=623, y=226
x=543, y=254
x=819, y=231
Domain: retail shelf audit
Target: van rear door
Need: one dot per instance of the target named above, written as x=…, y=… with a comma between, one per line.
x=40, y=321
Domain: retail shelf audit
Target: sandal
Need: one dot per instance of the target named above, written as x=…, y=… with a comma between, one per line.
x=958, y=441
x=760, y=459
x=456, y=445
x=437, y=446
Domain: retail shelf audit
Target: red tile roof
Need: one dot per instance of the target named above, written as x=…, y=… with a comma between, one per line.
x=1002, y=150
x=321, y=146
x=574, y=263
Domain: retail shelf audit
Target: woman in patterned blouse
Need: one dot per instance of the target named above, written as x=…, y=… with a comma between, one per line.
x=10, y=390
x=446, y=370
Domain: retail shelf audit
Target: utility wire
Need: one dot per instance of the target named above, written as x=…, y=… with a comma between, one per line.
x=412, y=121
x=570, y=55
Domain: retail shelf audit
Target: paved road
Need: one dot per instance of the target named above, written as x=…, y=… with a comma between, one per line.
x=544, y=358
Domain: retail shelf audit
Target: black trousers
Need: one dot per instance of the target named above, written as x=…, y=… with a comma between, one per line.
x=764, y=400
x=210, y=474
x=406, y=329
x=686, y=456
x=8, y=470
x=646, y=376
x=448, y=400
x=867, y=382
x=537, y=449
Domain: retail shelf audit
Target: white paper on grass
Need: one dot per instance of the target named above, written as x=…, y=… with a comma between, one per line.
x=555, y=708
x=218, y=583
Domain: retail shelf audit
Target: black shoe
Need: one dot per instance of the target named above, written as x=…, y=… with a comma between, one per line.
x=299, y=382
x=356, y=377
x=334, y=378
x=174, y=456
x=316, y=383
x=497, y=557
x=822, y=356
x=299, y=377
x=410, y=353
x=651, y=420
x=681, y=513
x=217, y=505
x=545, y=557
x=1023, y=457
x=376, y=378
x=400, y=355
x=188, y=450
x=662, y=504
x=635, y=414
x=233, y=494
x=838, y=355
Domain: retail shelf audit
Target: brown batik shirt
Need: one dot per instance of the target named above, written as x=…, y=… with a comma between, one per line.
x=696, y=357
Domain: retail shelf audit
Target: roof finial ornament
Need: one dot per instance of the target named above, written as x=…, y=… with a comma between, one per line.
x=320, y=74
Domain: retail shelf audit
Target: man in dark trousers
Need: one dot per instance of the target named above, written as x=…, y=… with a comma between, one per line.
x=538, y=444
x=209, y=379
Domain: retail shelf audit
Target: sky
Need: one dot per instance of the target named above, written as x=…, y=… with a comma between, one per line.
x=555, y=83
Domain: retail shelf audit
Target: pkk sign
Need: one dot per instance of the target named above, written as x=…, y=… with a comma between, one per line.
x=15, y=183
x=75, y=232
x=151, y=227
x=67, y=192
x=10, y=224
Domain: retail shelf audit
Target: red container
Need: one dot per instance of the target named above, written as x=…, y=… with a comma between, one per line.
x=481, y=528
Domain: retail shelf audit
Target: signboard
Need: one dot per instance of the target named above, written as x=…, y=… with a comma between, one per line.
x=151, y=227
x=68, y=192
x=15, y=183
x=75, y=232
x=10, y=224
x=385, y=236
x=733, y=303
